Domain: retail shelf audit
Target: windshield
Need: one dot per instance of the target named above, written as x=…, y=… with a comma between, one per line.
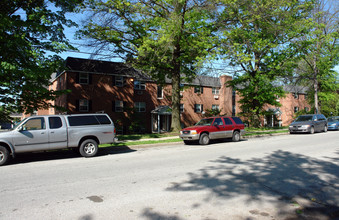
x=333, y=119
x=304, y=118
x=206, y=121
x=17, y=124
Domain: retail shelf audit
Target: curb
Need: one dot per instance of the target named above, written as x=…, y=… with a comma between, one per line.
x=175, y=137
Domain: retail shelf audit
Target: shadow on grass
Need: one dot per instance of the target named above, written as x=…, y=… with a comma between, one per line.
x=65, y=154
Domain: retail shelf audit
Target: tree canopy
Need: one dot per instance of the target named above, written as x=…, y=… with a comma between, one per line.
x=165, y=38
x=260, y=39
x=320, y=56
x=31, y=34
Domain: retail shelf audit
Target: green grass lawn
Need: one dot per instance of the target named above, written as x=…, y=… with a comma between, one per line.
x=137, y=139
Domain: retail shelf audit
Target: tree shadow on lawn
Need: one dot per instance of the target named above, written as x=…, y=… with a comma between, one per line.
x=65, y=154
x=282, y=175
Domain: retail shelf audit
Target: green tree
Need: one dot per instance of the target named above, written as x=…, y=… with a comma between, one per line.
x=258, y=39
x=321, y=54
x=28, y=30
x=165, y=38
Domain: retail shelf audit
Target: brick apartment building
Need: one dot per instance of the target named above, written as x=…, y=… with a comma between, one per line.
x=135, y=102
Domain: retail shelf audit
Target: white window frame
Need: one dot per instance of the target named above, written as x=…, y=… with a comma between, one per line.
x=198, y=89
x=162, y=92
x=119, y=106
x=215, y=90
x=140, y=106
x=296, y=109
x=196, y=109
x=119, y=81
x=83, y=105
x=84, y=78
x=181, y=108
x=139, y=85
x=215, y=107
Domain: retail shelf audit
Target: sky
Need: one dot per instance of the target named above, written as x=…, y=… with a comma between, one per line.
x=86, y=52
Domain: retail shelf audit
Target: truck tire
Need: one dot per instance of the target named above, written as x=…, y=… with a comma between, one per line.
x=4, y=155
x=88, y=148
x=236, y=136
x=204, y=139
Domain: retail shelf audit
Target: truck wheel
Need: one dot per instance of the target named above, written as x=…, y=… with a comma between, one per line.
x=236, y=136
x=4, y=155
x=88, y=148
x=204, y=139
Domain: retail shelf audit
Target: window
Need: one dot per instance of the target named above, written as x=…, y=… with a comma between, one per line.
x=103, y=119
x=159, y=92
x=198, y=108
x=321, y=117
x=54, y=122
x=119, y=106
x=198, y=89
x=140, y=106
x=83, y=105
x=181, y=108
x=228, y=121
x=34, y=124
x=237, y=120
x=215, y=91
x=218, y=121
x=296, y=95
x=119, y=81
x=296, y=109
x=83, y=78
x=215, y=107
x=140, y=85
x=82, y=120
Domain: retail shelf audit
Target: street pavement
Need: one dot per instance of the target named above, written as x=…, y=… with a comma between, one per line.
x=278, y=177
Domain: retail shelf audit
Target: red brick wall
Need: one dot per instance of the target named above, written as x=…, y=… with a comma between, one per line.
x=102, y=93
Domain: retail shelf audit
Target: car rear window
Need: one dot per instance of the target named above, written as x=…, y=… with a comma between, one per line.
x=237, y=120
x=83, y=120
x=228, y=121
x=103, y=119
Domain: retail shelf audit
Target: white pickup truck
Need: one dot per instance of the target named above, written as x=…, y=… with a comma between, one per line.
x=40, y=133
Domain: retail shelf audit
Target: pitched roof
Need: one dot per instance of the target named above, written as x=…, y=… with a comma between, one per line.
x=119, y=68
x=103, y=67
x=296, y=89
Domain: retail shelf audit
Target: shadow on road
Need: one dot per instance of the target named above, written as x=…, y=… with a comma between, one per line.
x=65, y=154
x=282, y=175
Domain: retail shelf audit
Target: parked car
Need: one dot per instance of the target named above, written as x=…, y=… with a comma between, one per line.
x=309, y=124
x=39, y=133
x=213, y=128
x=333, y=123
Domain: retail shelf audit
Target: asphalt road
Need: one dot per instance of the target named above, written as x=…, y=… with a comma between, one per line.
x=280, y=177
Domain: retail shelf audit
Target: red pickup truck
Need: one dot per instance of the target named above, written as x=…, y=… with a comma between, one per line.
x=213, y=128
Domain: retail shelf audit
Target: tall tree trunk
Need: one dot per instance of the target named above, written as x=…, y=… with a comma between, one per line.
x=176, y=125
x=315, y=86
